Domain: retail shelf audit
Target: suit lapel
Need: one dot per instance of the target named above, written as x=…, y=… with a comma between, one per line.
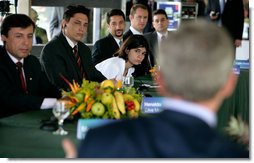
x=111, y=39
x=10, y=68
x=70, y=55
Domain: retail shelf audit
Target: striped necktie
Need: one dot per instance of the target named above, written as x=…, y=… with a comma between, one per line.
x=78, y=60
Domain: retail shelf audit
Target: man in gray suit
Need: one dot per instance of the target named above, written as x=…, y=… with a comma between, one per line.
x=160, y=24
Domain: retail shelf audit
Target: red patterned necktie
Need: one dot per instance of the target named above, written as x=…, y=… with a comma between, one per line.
x=78, y=60
x=21, y=76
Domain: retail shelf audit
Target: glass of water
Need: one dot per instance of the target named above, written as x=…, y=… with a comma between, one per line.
x=61, y=113
x=128, y=82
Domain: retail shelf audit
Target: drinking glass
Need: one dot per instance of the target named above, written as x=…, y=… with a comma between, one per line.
x=60, y=112
x=128, y=81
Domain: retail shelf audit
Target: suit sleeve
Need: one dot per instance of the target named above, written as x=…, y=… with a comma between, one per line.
x=96, y=53
x=239, y=17
x=91, y=71
x=53, y=63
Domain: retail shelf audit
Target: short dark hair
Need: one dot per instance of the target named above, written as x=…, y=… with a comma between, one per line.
x=132, y=42
x=114, y=12
x=160, y=12
x=15, y=20
x=71, y=10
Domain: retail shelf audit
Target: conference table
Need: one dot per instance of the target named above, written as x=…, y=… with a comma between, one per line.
x=21, y=136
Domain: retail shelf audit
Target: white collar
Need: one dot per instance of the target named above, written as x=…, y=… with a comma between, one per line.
x=15, y=60
x=70, y=42
x=117, y=40
x=192, y=109
x=162, y=34
x=134, y=31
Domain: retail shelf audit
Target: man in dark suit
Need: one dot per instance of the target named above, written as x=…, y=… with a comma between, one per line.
x=65, y=55
x=186, y=128
x=138, y=17
x=160, y=24
x=230, y=15
x=26, y=87
x=107, y=46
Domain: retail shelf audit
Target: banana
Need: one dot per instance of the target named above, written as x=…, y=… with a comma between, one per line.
x=120, y=102
x=127, y=97
x=137, y=105
x=115, y=109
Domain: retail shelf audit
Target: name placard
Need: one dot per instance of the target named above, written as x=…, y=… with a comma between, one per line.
x=85, y=124
x=243, y=64
x=151, y=105
x=236, y=69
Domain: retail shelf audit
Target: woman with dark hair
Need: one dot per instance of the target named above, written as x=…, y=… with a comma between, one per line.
x=131, y=54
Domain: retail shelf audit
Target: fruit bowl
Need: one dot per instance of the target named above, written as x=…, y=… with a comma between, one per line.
x=105, y=100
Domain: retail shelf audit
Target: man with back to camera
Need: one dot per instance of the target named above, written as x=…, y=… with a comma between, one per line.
x=65, y=55
x=23, y=84
x=160, y=24
x=186, y=128
x=107, y=46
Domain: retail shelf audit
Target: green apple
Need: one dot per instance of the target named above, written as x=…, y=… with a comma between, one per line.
x=79, y=96
x=98, y=109
x=107, y=98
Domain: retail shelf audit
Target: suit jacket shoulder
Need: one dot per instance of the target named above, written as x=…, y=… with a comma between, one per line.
x=168, y=134
x=104, y=49
x=127, y=34
x=152, y=39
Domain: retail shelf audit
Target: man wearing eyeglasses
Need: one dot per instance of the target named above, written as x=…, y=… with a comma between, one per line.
x=160, y=24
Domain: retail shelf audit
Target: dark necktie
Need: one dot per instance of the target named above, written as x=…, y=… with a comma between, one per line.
x=163, y=38
x=120, y=43
x=78, y=60
x=21, y=76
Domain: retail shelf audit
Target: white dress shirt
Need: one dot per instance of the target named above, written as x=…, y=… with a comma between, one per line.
x=113, y=68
